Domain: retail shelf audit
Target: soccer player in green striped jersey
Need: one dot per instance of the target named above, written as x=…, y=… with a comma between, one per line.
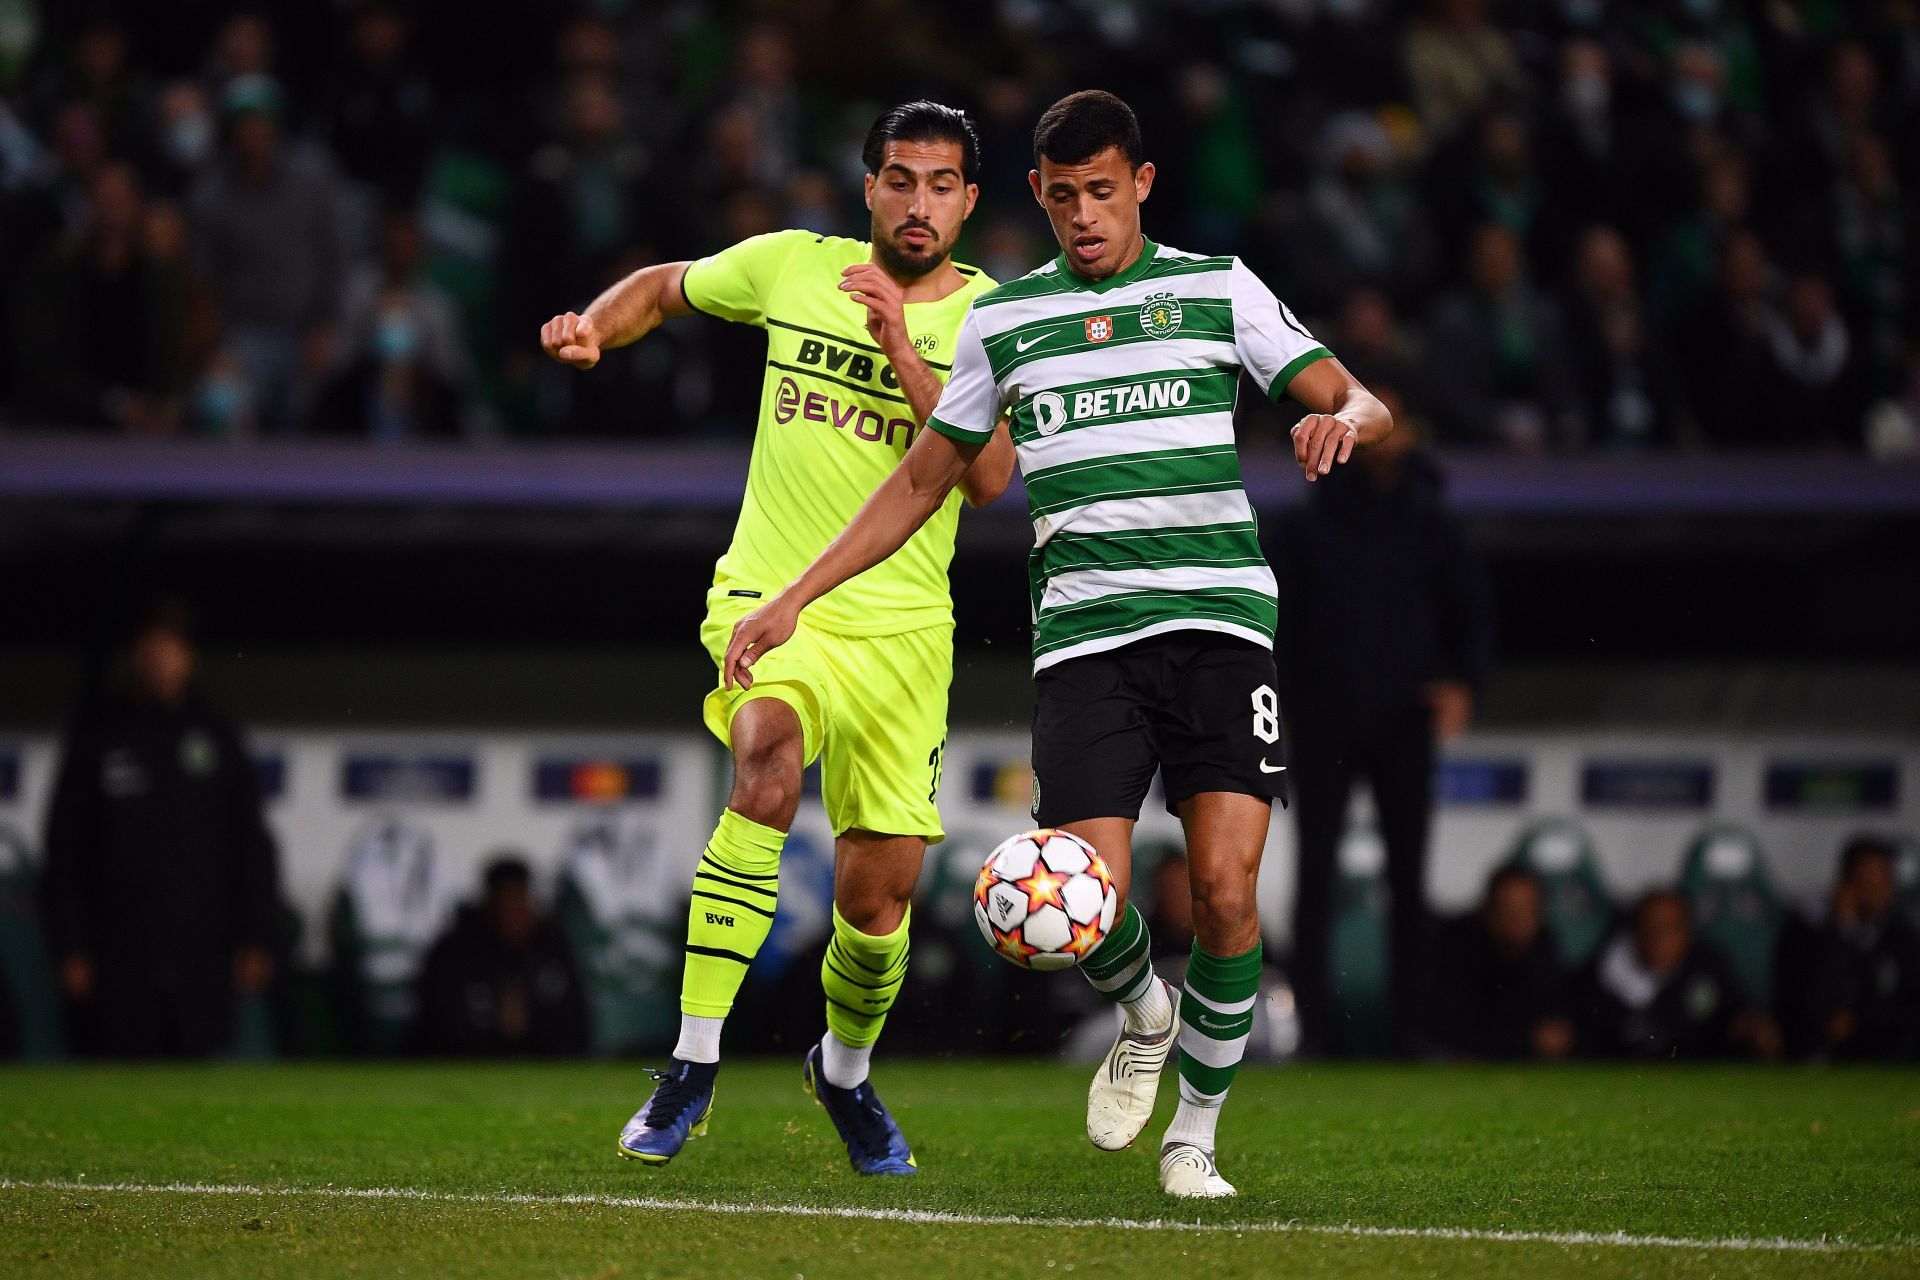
x=1154, y=609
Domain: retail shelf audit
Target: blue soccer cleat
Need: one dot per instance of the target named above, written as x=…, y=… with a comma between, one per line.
x=874, y=1142
x=678, y=1109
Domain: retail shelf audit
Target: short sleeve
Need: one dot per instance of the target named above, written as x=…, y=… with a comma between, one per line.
x=969, y=407
x=734, y=283
x=1272, y=345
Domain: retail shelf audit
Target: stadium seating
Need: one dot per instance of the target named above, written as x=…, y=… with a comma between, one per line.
x=1359, y=943
x=1579, y=909
x=1725, y=879
x=623, y=911
x=395, y=898
x=24, y=962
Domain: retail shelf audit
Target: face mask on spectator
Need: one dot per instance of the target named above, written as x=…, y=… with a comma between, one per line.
x=396, y=338
x=189, y=138
x=1696, y=101
x=1587, y=94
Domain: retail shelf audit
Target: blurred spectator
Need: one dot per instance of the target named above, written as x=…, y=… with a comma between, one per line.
x=161, y=876
x=396, y=275
x=380, y=110
x=1376, y=350
x=502, y=979
x=1626, y=388
x=1871, y=230
x=1498, y=987
x=1458, y=62
x=268, y=244
x=1848, y=986
x=1360, y=224
x=1655, y=991
x=1497, y=356
x=1722, y=344
x=1386, y=634
x=1812, y=381
x=392, y=391
x=186, y=138
x=100, y=323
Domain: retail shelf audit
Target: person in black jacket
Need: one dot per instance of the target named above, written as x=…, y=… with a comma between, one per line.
x=1498, y=987
x=1656, y=991
x=502, y=979
x=1385, y=635
x=1849, y=986
x=161, y=881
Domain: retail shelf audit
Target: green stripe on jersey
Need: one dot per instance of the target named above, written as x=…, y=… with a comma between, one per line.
x=1202, y=320
x=1115, y=615
x=1161, y=393
x=1231, y=545
x=1159, y=474
x=1294, y=366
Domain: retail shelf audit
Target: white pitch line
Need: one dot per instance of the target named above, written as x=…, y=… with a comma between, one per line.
x=1765, y=1244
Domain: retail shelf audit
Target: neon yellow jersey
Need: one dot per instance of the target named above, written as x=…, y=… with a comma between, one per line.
x=833, y=423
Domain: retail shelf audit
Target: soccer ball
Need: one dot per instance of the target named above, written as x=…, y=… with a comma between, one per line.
x=1044, y=900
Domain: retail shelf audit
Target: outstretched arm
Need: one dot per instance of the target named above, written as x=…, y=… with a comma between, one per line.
x=1342, y=414
x=625, y=313
x=905, y=500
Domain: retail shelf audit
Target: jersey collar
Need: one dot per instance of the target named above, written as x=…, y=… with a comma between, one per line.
x=1148, y=250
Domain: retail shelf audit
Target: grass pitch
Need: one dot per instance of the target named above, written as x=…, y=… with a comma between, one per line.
x=1343, y=1171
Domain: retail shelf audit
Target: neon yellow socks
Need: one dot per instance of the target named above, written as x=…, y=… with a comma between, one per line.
x=734, y=890
x=861, y=976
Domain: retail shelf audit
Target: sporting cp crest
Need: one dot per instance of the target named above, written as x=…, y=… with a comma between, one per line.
x=1160, y=315
x=1099, y=328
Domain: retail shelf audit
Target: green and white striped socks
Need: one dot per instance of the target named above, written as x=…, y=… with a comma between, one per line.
x=1216, y=1016
x=1120, y=970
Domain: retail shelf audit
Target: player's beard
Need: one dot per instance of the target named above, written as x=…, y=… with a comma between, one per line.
x=906, y=264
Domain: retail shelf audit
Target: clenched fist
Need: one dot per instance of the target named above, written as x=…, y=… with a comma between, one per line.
x=571, y=339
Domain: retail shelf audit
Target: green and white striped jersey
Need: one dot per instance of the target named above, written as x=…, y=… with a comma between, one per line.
x=1121, y=393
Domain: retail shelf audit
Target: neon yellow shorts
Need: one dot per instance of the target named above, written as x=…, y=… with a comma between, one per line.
x=873, y=711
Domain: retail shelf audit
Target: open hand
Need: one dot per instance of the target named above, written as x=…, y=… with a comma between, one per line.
x=571, y=339
x=766, y=628
x=1320, y=440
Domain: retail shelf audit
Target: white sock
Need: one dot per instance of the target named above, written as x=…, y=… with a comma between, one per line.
x=1193, y=1123
x=1150, y=1011
x=844, y=1066
x=699, y=1038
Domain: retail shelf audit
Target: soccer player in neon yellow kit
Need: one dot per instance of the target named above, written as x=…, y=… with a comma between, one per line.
x=859, y=339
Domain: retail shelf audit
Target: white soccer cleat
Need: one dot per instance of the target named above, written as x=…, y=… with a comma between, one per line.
x=1189, y=1172
x=1120, y=1100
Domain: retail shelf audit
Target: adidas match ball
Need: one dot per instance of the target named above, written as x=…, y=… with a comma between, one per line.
x=1044, y=900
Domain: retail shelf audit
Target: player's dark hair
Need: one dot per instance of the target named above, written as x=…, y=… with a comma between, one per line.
x=1862, y=847
x=507, y=870
x=924, y=121
x=1082, y=125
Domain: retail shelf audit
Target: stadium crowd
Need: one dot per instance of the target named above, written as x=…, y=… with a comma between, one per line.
x=1543, y=226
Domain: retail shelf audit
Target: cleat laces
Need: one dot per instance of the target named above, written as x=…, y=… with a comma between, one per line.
x=674, y=1094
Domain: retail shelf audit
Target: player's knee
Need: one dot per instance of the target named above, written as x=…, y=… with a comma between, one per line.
x=1224, y=916
x=766, y=785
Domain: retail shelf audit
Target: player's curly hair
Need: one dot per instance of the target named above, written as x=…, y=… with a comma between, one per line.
x=1082, y=125
x=924, y=121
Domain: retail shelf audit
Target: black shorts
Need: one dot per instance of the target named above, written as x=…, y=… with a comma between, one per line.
x=1199, y=706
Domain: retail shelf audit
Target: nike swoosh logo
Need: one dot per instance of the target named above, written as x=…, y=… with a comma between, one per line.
x=1021, y=344
x=1272, y=768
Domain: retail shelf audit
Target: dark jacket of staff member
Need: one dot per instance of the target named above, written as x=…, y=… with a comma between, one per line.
x=502, y=979
x=1385, y=635
x=1849, y=986
x=1498, y=988
x=161, y=876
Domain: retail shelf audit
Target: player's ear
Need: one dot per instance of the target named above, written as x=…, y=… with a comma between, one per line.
x=869, y=193
x=1143, y=181
x=1033, y=180
x=973, y=198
